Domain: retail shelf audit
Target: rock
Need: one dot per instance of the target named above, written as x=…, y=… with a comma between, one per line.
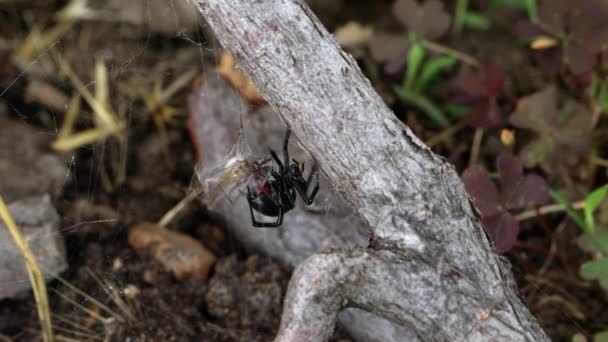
x=39, y=224
x=24, y=162
x=179, y=254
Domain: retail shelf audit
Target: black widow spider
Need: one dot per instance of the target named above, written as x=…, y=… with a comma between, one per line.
x=277, y=195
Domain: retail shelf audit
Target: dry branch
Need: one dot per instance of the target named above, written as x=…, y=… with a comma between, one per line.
x=429, y=266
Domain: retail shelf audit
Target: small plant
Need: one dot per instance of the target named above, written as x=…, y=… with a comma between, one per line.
x=465, y=17
x=423, y=23
x=595, y=236
x=579, y=27
x=427, y=21
x=529, y=6
x=598, y=92
x=418, y=78
x=481, y=89
x=563, y=132
x=517, y=191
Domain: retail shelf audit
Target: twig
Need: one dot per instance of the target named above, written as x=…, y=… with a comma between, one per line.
x=599, y=161
x=461, y=56
x=170, y=215
x=445, y=134
x=548, y=209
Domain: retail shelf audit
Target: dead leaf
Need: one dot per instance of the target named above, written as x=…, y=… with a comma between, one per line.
x=353, y=34
x=227, y=68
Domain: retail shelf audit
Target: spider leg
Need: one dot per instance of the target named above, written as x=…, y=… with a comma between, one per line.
x=277, y=160
x=285, y=148
x=271, y=224
x=249, y=198
x=302, y=188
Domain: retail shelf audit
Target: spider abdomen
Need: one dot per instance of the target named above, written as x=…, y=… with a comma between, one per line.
x=269, y=200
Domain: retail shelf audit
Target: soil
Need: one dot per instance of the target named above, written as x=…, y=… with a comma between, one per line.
x=119, y=295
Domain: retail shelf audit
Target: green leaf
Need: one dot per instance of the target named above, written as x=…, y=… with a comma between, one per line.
x=532, y=9
x=575, y=215
x=592, y=202
x=515, y=4
x=595, y=270
x=430, y=71
x=461, y=11
x=537, y=151
x=602, y=98
x=596, y=242
x=426, y=105
x=579, y=338
x=476, y=21
x=456, y=110
x=601, y=337
x=414, y=60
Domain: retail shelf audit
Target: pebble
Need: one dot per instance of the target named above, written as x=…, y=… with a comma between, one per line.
x=178, y=253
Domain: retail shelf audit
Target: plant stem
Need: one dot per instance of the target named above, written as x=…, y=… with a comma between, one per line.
x=439, y=48
x=548, y=209
x=532, y=9
x=477, y=138
x=445, y=134
x=461, y=12
x=599, y=161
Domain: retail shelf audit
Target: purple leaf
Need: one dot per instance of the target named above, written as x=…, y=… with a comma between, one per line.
x=483, y=191
x=483, y=87
x=503, y=229
x=517, y=192
x=563, y=135
x=510, y=169
x=428, y=20
x=529, y=191
x=484, y=114
x=390, y=49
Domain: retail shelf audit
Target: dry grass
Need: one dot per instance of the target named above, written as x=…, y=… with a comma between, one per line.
x=33, y=270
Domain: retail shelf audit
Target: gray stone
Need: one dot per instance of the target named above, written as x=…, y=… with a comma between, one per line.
x=27, y=167
x=39, y=224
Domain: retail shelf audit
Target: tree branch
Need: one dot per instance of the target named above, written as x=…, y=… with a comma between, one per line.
x=429, y=265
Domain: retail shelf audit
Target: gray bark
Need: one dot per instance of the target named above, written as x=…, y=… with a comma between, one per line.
x=429, y=266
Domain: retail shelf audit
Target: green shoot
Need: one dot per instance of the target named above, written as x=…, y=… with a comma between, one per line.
x=459, y=17
x=529, y=6
x=575, y=215
x=592, y=202
x=431, y=69
x=476, y=21
x=532, y=9
x=414, y=61
x=424, y=104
